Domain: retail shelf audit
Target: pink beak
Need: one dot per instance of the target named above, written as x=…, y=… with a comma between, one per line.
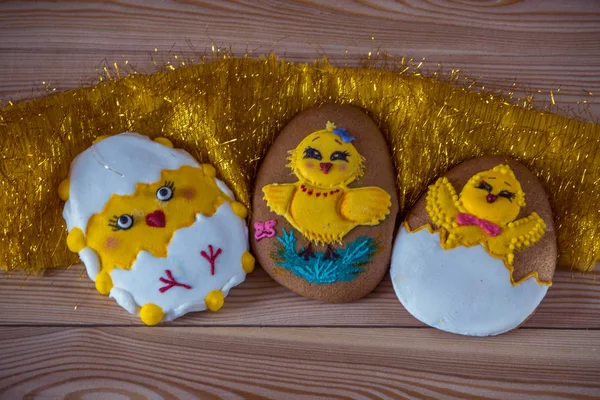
x=325, y=167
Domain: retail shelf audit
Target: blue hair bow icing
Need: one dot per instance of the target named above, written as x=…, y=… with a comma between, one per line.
x=341, y=132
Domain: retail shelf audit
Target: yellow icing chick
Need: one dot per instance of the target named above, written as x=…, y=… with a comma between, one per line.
x=147, y=219
x=320, y=205
x=485, y=213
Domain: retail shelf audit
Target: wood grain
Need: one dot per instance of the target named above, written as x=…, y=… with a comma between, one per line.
x=67, y=297
x=540, y=45
x=307, y=363
x=59, y=338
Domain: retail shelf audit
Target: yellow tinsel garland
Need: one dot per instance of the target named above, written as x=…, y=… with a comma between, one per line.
x=229, y=112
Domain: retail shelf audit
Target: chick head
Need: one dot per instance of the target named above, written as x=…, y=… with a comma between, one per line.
x=494, y=195
x=148, y=218
x=327, y=158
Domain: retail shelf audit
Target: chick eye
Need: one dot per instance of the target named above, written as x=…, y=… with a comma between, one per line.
x=507, y=195
x=485, y=186
x=165, y=193
x=121, y=222
x=311, y=152
x=339, y=155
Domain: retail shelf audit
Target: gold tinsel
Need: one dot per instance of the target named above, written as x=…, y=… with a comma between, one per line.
x=228, y=113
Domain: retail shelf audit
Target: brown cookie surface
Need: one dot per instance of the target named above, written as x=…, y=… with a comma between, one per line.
x=477, y=252
x=332, y=190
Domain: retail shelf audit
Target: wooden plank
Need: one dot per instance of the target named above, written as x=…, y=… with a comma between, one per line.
x=308, y=363
x=545, y=46
x=66, y=297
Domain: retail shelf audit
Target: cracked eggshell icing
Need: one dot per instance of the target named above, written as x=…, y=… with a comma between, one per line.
x=465, y=290
x=142, y=284
x=116, y=166
x=461, y=290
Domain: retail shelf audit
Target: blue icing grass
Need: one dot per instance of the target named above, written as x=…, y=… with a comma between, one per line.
x=317, y=269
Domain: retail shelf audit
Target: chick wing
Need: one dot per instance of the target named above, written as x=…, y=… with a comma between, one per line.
x=440, y=205
x=278, y=196
x=366, y=206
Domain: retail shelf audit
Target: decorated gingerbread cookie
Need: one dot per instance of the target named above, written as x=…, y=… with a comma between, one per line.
x=477, y=253
x=155, y=229
x=324, y=205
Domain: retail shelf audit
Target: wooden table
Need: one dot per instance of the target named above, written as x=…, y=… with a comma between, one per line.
x=59, y=337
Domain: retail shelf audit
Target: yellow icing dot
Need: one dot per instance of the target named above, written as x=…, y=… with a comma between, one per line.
x=104, y=283
x=151, y=314
x=214, y=300
x=248, y=262
x=99, y=139
x=209, y=170
x=63, y=190
x=76, y=240
x=164, y=141
x=239, y=209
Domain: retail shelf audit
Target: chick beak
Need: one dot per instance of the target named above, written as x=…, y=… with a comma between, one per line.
x=325, y=167
x=491, y=198
x=156, y=219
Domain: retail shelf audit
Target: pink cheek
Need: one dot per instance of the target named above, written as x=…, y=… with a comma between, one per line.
x=188, y=194
x=343, y=167
x=309, y=165
x=112, y=243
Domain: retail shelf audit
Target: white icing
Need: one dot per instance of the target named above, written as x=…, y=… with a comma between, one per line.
x=91, y=261
x=125, y=300
x=223, y=187
x=114, y=166
x=140, y=285
x=462, y=290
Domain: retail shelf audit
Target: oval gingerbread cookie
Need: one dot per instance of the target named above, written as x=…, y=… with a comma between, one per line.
x=477, y=253
x=156, y=230
x=324, y=205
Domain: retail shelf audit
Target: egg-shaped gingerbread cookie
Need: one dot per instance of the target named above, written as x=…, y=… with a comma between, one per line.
x=324, y=205
x=476, y=254
x=156, y=230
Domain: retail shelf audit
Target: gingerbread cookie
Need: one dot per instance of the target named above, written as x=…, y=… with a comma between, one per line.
x=157, y=231
x=324, y=205
x=477, y=253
